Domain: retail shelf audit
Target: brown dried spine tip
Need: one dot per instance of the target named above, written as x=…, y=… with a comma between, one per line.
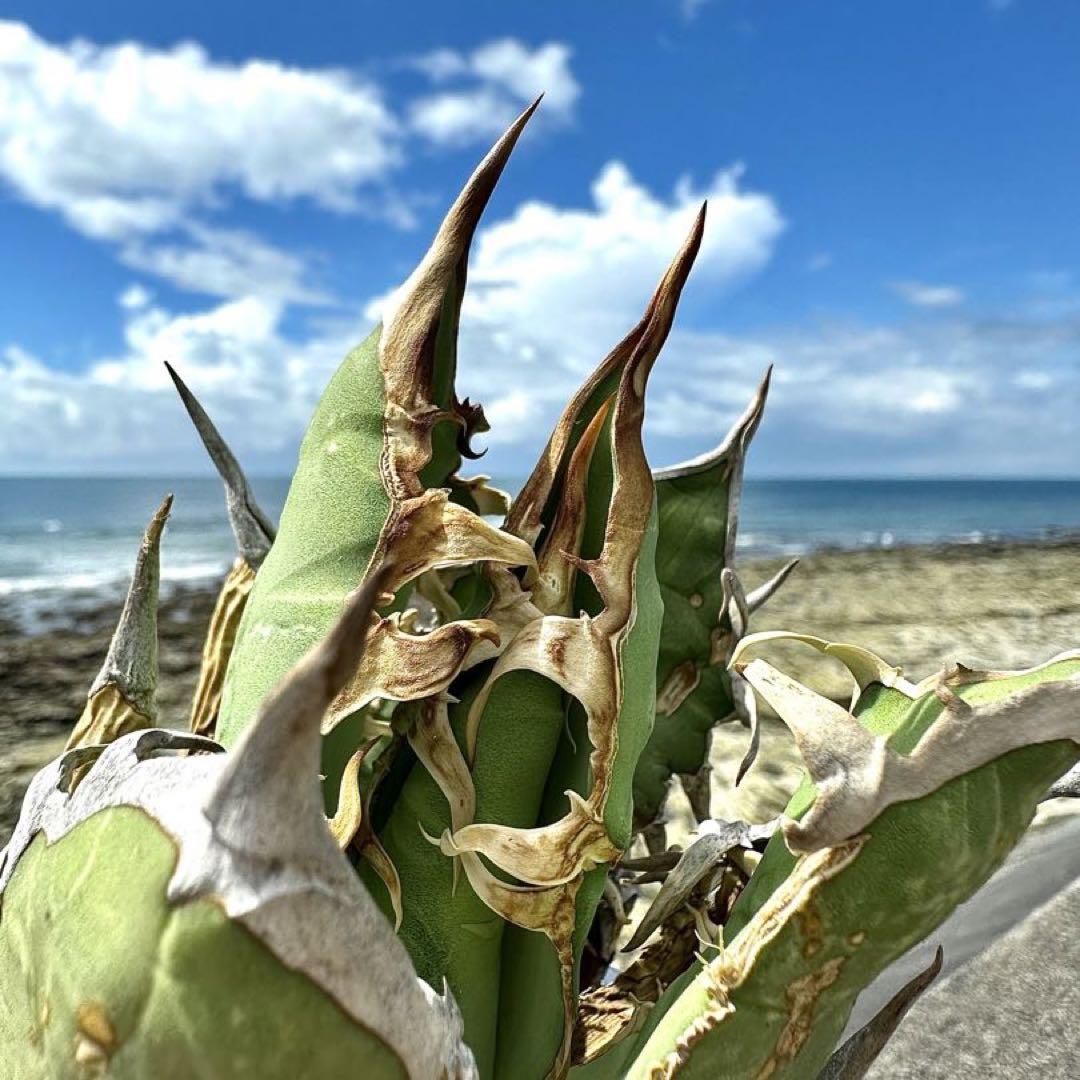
x=253, y=530
x=121, y=698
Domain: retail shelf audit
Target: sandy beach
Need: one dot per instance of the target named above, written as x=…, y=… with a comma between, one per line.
x=1001, y=605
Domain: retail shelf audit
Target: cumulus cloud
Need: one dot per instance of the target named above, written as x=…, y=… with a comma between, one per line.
x=126, y=139
x=551, y=289
x=137, y=146
x=141, y=147
x=488, y=87
x=122, y=413
x=963, y=396
x=223, y=262
x=919, y=294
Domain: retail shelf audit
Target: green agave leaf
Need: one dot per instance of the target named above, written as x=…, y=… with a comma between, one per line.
x=484, y=797
x=375, y=487
x=595, y=760
x=174, y=916
x=698, y=504
x=916, y=795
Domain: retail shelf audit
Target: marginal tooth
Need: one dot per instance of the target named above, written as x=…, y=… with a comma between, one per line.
x=853, y=1060
x=267, y=801
x=757, y=597
x=73, y=765
x=121, y=698
x=746, y=706
x=253, y=530
x=831, y=741
x=734, y=604
x=154, y=741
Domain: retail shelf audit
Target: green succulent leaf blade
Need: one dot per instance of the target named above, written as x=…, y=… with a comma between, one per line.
x=692, y=550
x=698, y=505
x=333, y=514
x=449, y=932
x=144, y=991
x=926, y=856
x=531, y=1011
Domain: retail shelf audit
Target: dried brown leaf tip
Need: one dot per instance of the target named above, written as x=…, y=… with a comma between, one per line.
x=858, y=775
x=253, y=530
x=853, y=1060
x=121, y=698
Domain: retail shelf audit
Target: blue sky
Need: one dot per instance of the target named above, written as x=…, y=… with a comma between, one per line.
x=893, y=220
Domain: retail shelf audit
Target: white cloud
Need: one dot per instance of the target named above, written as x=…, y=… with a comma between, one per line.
x=820, y=261
x=551, y=289
x=122, y=414
x=127, y=139
x=134, y=297
x=491, y=86
x=223, y=262
x=919, y=294
x=140, y=147
x=931, y=397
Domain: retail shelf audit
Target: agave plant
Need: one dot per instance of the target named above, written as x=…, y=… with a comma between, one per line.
x=397, y=838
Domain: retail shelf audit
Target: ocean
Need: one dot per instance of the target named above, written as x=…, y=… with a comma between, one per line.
x=67, y=544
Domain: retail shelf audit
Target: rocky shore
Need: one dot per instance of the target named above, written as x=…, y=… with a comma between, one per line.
x=998, y=605
x=44, y=679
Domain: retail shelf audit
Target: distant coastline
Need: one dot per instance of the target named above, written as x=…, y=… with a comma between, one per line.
x=67, y=543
